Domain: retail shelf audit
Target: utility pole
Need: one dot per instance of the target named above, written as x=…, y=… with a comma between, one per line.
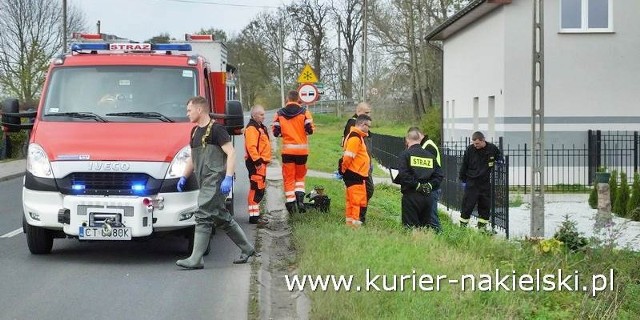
x=364, y=50
x=341, y=81
x=64, y=26
x=281, y=36
x=537, y=122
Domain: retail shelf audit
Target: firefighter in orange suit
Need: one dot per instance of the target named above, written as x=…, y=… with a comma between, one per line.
x=355, y=170
x=257, y=155
x=293, y=123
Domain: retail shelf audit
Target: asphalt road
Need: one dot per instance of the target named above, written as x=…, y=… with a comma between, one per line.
x=120, y=280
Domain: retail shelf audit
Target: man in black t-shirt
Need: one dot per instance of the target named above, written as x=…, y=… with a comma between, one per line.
x=213, y=162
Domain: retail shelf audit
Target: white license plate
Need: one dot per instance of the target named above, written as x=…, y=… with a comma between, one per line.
x=99, y=233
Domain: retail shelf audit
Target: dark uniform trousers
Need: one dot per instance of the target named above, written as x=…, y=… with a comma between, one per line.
x=416, y=208
x=476, y=191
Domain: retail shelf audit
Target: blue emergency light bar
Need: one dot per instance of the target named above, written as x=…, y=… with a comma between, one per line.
x=102, y=46
x=171, y=47
x=89, y=46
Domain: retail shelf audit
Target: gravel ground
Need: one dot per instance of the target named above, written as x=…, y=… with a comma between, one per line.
x=624, y=232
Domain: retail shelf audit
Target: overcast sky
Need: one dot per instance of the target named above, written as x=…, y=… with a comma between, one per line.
x=140, y=20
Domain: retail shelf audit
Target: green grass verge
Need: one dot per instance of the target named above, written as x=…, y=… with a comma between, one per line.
x=325, y=246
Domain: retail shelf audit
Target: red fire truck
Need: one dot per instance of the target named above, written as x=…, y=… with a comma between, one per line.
x=111, y=137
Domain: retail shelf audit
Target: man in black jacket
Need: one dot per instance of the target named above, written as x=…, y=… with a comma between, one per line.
x=429, y=145
x=478, y=162
x=418, y=174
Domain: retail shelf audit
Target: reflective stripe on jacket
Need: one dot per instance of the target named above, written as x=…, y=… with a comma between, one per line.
x=294, y=123
x=355, y=159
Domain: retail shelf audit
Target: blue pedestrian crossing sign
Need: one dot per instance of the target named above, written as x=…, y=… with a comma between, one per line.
x=307, y=75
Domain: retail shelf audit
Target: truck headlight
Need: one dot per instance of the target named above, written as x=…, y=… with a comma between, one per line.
x=38, y=162
x=179, y=163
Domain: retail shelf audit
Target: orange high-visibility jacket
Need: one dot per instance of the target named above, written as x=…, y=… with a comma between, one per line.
x=256, y=143
x=355, y=160
x=293, y=123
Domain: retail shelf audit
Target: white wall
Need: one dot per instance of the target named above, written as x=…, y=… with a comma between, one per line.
x=474, y=67
x=590, y=79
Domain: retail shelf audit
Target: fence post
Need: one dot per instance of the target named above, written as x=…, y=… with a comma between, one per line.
x=525, y=168
x=635, y=151
x=4, y=146
x=591, y=169
x=598, y=149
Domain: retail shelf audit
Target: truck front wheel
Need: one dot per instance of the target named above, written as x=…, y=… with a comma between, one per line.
x=39, y=240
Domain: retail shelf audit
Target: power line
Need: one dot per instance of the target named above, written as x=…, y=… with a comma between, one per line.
x=223, y=4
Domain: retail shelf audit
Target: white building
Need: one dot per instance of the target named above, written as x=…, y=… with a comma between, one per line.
x=591, y=69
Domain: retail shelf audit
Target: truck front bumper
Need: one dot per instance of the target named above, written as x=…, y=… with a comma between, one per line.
x=162, y=212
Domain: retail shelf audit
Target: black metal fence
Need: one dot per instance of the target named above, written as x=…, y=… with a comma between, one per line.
x=617, y=150
x=385, y=149
x=571, y=168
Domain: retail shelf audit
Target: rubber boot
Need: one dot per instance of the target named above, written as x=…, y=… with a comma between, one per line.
x=300, y=201
x=363, y=214
x=200, y=243
x=291, y=207
x=238, y=237
x=482, y=227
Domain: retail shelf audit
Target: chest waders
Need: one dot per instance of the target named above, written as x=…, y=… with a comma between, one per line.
x=209, y=169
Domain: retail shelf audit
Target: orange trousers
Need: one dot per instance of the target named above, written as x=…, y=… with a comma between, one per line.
x=294, y=171
x=356, y=196
x=257, y=178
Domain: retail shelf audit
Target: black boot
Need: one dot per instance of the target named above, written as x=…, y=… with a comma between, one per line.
x=291, y=207
x=300, y=201
x=363, y=214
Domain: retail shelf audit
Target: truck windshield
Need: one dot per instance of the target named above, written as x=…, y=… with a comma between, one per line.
x=113, y=91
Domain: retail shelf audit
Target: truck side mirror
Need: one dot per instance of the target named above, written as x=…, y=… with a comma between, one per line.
x=233, y=118
x=10, y=117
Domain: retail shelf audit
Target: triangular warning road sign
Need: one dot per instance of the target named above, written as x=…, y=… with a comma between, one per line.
x=307, y=75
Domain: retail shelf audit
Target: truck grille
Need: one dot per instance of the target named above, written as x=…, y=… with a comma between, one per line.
x=108, y=183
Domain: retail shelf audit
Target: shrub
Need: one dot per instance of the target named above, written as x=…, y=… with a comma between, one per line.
x=622, y=196
x=431, y=124
x=569, y=235
x=613, y=187
x=634, y=202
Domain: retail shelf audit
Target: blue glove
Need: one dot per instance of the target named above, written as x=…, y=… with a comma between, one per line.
x=463, y=185
x=225, y=187
x=181, y=183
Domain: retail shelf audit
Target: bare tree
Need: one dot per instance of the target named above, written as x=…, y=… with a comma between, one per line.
x=400, y=26
x=349, y=23
x=30, y=35
x=312, y=16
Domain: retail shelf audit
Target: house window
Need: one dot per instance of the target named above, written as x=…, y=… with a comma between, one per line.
x=586, y=16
